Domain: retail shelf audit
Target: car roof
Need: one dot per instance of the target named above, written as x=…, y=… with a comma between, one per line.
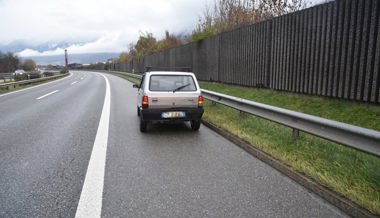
x=169, y=72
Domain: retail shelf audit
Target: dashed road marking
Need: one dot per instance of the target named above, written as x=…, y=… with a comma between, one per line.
x=74, y=82
x=50, y=93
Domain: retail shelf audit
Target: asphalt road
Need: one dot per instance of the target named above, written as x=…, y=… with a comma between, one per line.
x=57, y=161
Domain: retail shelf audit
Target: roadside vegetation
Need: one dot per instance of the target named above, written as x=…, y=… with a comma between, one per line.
x=8, y=62
x=226, y=15
x=351, y=173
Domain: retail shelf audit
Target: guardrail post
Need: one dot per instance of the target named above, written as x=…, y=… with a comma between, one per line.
x=295, y=134
x=242, y=114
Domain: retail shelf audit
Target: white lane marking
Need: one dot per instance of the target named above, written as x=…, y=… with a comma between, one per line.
x=74, y=82
x=90, y=202
x=36, y=86
x=82, y=78
x=50, y=93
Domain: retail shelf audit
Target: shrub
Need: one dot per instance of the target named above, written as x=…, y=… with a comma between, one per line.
x=20, y=77
x=48, y=74
x=34, y=75
x=64, y=70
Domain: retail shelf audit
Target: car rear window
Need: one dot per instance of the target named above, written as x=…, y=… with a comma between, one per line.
x=182, y=83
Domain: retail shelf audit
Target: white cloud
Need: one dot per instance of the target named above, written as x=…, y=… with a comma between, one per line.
x=107, y=25
x=108, y=43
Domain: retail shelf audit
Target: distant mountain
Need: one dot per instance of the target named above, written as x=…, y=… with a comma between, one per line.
x=74, y=58
x=18, y=46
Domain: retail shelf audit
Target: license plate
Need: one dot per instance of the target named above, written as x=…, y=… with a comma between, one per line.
x=173, y=114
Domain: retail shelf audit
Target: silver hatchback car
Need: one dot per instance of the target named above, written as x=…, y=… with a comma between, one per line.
x=169, y=96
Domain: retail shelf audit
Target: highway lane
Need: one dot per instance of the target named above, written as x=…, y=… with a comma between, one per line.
x=171, y=171
x=45, y=146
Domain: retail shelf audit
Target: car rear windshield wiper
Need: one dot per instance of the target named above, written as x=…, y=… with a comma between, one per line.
x=180, y=87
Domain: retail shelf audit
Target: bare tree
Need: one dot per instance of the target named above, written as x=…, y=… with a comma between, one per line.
x=29, y=65
x=8, y=62
x=230, y=14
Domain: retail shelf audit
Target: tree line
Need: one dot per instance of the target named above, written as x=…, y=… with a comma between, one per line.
x=10, y=62
x=223, y=16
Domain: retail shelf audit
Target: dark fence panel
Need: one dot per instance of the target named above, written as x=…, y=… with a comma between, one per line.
x=329, y=50
x=205, y=62
x=184, y=56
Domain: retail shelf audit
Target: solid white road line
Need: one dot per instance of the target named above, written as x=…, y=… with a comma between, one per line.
x=50, y=93
x=36, y=86
x=90, y=202
x=74, y=82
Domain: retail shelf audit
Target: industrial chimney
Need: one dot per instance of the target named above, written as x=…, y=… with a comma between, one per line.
x=66, y=61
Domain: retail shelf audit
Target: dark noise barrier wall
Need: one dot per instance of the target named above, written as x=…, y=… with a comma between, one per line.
x=328, y=50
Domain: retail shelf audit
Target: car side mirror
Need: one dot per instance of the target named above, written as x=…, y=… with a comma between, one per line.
x=136, y=86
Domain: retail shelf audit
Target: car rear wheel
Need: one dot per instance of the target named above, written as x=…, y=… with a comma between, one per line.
x=143, y=125
x=195, y=124
x=138, y=111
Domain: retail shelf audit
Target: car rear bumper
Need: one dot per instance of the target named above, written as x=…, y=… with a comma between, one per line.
x=155, y=114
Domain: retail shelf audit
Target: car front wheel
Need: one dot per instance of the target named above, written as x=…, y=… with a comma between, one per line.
x=195, y=124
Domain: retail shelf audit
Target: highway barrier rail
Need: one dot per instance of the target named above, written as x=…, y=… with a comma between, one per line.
x=6, y=76
x=363, y=139
x=23, y=82
x=356, y=137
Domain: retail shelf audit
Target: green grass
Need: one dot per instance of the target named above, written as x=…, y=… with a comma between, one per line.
x=354, y=113
x=129, y=78
x=353, y=174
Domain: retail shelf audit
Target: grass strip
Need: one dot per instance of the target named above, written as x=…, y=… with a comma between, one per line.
x=351, y=173
x=124, y=76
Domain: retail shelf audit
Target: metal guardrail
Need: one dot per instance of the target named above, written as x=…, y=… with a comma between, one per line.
x=134, y=75
x=14, y=84
x=362, y=139
x=353, y=136
x=6, y=75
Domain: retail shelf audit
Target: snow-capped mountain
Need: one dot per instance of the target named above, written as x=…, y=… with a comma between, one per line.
x=18, y=47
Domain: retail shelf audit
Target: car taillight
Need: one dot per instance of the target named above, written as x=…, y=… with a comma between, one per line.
x=145, y=102
x=200, y=101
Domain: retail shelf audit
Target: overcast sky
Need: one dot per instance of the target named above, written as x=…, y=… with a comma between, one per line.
x=90, y=26
x=93, y=25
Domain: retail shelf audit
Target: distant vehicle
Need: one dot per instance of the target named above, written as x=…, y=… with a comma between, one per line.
x=19, y=72
x=169, y=96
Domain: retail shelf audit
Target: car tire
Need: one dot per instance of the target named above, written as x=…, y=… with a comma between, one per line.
x=138, y=111
x=143, y=125
x=195, y=124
